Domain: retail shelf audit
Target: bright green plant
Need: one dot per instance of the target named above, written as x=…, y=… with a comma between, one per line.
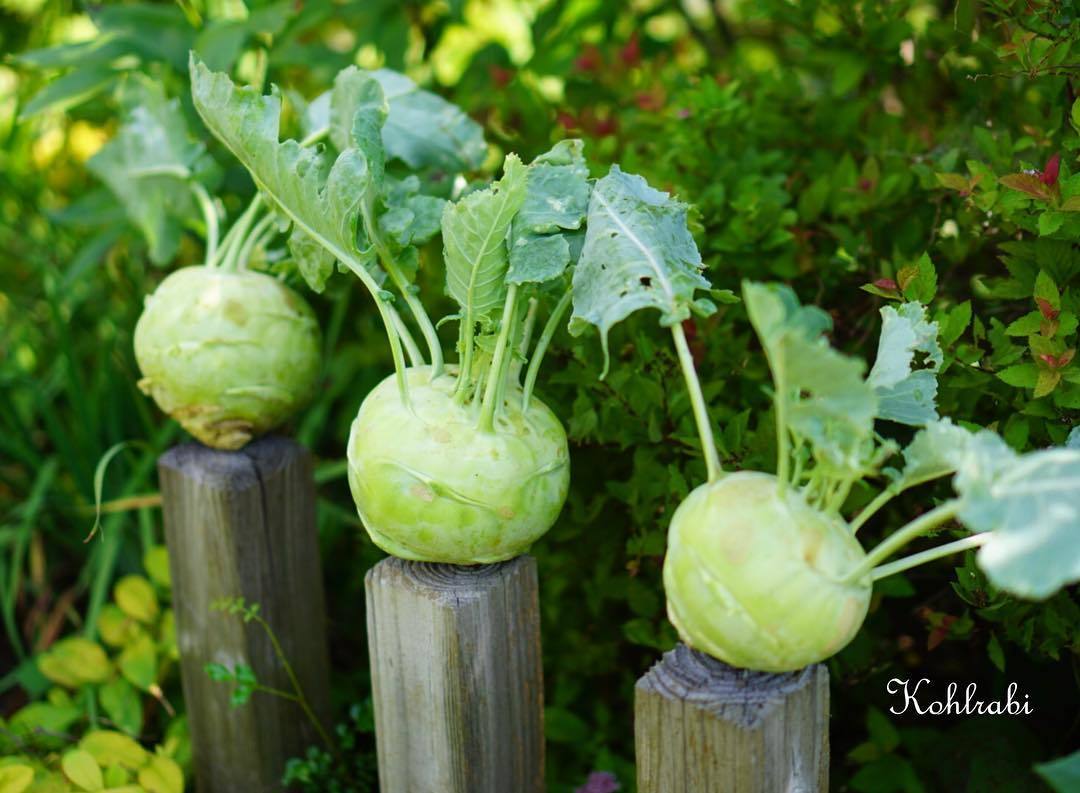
x=762, y=571
x=242, y=677
x=104, y=687
x=456, y=464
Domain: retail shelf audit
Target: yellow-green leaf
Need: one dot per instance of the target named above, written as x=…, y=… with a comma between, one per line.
x=167, y=635
x=138, y=662
x=953, y=181
x=15, y=778
x=82, y=769
x=44, y=717
x=162, y=775
x=135, y=596
x=1071, y=204
x=122, y=705
x=114, y=748
x=75, y=661
x=116, y=776
x=156, y=562
x=1047, y=382
x=115, y=627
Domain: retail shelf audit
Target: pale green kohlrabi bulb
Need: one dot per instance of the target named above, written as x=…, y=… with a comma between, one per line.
x=229, y=355
x=430, y=486
x=754, y=577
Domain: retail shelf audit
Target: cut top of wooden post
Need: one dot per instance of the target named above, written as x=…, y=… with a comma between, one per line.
x=701, y=725
x=456, y=676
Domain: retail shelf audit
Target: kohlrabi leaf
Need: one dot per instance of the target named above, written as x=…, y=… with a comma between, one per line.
x=321, y=201
x=1031, y=504
x=934, y=452
x=638, y=253
x=475, y=230
x=556, y=200
x=148, y=165
x=422, y=129
x=357, y=99
x=906, y=388
x=1073, y=441
x=820, y=393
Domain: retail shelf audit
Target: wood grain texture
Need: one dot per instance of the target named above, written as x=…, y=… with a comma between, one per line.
x=702, y=726
x=243, y=524
x=456, y=676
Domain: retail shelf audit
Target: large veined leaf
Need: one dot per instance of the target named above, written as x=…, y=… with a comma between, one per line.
x=321, y=201
x=147, y=165
x=821, y=393
x=422, y=129
x=935, y=451
x=906, y=388
x=556, y=201
x=475, y=230
x=1031, y=504
x=638, y=253
x=425, y=131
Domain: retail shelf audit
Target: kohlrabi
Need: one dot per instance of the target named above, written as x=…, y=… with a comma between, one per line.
x=456, y=463
x=228, y=352
x=762, y=570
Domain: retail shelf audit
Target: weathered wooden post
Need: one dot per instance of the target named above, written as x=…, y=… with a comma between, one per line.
x=243, y=524
x=701, y=725
x=456, y=676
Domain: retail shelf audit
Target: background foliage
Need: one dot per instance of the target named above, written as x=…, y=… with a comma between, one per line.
x=830, y=145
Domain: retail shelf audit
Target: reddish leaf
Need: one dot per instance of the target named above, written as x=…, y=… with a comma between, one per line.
x=631, y=53
x=940, y=631
x=1057, y=361
x=590, y=60
x=885, y=283
x=1049, y=175
x=1027, y=183
x=500, y=75
x=650, y=101
x=605, y=127
x=1046, y=309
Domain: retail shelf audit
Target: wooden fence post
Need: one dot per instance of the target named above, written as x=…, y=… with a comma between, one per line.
x=456, y=676
x=243, y=524
x=701, y=725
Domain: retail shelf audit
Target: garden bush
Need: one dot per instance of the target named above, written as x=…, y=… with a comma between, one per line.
x=863, y=153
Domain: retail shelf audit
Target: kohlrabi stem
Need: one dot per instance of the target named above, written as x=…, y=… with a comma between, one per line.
x=210, y=217
x=527, y=330
x=231, y=253
x=697, y=400
x=465, y=350
x=783, y=441
x=867, y=512
x=315, y=136
x=384, y=309
x=497, y=370
x=513, y=364
x=929, y=555
x=253, y=237
x=542, y=343
x=901, y=537
x=431, y=336
x=889, y=493
x=416, y=358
